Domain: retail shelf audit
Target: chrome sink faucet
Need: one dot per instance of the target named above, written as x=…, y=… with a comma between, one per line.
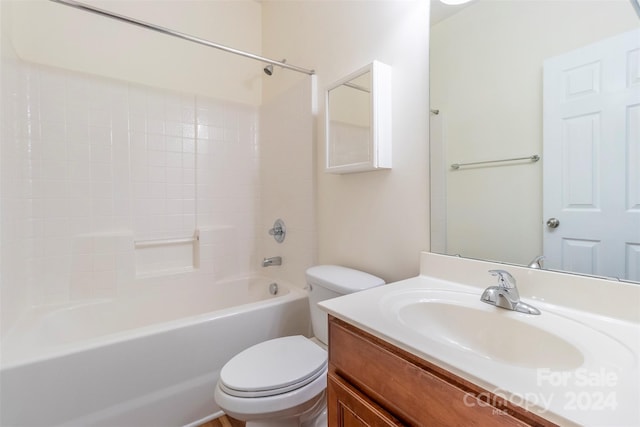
x=506, y=295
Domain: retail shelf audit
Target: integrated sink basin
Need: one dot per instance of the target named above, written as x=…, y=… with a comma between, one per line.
x=501, y=338
x=461, y=321
x=574, y=364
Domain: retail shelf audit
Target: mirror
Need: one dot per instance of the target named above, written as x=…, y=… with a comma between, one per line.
x=358, y=133
x=489, y=103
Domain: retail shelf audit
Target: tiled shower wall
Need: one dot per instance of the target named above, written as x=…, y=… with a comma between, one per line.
x=90, y=166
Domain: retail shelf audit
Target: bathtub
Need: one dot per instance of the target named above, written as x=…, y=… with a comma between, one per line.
x=149, y=359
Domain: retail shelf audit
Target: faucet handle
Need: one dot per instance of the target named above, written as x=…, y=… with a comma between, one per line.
x=505, y=279
x=536, y=262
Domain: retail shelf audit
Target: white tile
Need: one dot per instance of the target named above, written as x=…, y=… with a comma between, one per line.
x=101, y=153
x=55, y=151
x=82, y=225
x=101, y=223
x=155, y=126
x=104, y=244
x=189, y=161
x=56, y=208
x=174, y=191
x=101, y=190
x=173, y=144
x=157, y=190
x=156, y=142
x=80, y=282
x=188, y=145
x=81, y=263
x=81, y=189
x=174, y=207
x=188, y=176
x=104, y=262
x=54, y=170
x=173, y=160
x=77, y=131
x=56, y=227
x=157, y=158
x=99, y=136
x=102, y=172
x=82, y=245
x=103, y=284
x=78, y=152
x=156, y=206
x=102, y=208
x=175, y=128
x=138, y=140
x=188, y=206
x=99, y=117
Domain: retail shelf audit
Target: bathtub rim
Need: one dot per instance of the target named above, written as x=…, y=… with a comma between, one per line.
x=24, y=358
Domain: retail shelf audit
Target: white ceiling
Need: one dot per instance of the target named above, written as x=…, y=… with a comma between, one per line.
x=440, y=11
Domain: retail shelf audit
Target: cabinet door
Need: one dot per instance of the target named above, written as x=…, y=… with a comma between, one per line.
x=349, y=408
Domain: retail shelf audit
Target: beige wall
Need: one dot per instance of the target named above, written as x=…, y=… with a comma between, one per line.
x=486, y=80
x=375, y=221
x=287, y=181
x=52, y=34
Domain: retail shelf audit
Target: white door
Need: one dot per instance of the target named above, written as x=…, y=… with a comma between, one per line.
x=591, y=156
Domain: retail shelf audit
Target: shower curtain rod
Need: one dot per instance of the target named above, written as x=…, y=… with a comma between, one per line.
x=163, y=30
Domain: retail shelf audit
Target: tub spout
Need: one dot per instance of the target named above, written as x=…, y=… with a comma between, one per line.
x=274, y=260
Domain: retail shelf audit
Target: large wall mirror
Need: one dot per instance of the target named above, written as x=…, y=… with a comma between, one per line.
x=539, y=104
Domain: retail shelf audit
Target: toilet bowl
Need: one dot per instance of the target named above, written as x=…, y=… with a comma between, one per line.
x=282, y=382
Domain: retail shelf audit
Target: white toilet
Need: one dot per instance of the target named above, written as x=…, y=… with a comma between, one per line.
x=282, y=382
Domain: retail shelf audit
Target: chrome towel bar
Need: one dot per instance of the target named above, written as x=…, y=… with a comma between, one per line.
x=533, y=158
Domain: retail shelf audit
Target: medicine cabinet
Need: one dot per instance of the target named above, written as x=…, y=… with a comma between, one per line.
x=358, y=121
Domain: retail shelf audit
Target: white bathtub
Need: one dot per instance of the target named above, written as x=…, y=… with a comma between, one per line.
x=148, y=360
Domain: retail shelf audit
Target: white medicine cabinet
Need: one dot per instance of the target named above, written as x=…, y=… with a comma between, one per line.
x=358, y=121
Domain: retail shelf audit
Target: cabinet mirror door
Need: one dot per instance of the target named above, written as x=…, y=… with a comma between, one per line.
x=359, y=121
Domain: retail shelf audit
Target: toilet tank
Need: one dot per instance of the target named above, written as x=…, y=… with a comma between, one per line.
x=331, y=281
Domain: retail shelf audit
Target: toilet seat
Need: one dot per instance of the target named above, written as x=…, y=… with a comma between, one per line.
x=273, y=367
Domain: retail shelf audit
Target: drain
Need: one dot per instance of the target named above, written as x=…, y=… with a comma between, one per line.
x=273, y=288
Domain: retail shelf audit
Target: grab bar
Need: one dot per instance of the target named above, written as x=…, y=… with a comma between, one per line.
x=533, y=158
x=163, y=242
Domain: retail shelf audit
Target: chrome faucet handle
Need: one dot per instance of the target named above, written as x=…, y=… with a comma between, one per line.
x=279, y=231
x=505, y=279
x=506, y=294
x=536, y=262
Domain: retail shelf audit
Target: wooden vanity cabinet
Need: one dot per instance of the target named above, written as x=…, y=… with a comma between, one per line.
x=374, y=383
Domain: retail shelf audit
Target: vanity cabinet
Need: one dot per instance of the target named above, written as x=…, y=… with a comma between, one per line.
x=374, y=383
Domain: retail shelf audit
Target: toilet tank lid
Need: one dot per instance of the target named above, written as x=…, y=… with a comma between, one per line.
x=340, y=279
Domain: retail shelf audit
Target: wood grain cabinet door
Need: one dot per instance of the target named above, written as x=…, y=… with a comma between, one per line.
x=373, y=383
x=350, y=408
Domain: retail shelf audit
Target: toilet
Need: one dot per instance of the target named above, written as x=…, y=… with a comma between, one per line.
x=281, y=382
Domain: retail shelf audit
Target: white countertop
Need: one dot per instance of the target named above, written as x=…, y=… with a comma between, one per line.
x=603, y=391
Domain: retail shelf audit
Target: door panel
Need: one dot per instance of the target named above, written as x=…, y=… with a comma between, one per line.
x=592, y=158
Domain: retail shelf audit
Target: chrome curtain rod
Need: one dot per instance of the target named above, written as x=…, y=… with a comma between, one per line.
x=167, y=31
x=533, y=158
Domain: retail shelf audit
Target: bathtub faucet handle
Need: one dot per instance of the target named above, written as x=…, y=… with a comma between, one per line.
x=278, y=231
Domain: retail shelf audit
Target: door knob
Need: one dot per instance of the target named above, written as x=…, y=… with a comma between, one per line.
x=553, y=222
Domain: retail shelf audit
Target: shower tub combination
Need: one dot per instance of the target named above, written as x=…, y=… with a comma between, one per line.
x=147, y=360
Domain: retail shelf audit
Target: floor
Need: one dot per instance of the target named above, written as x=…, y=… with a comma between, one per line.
x=223, y=421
